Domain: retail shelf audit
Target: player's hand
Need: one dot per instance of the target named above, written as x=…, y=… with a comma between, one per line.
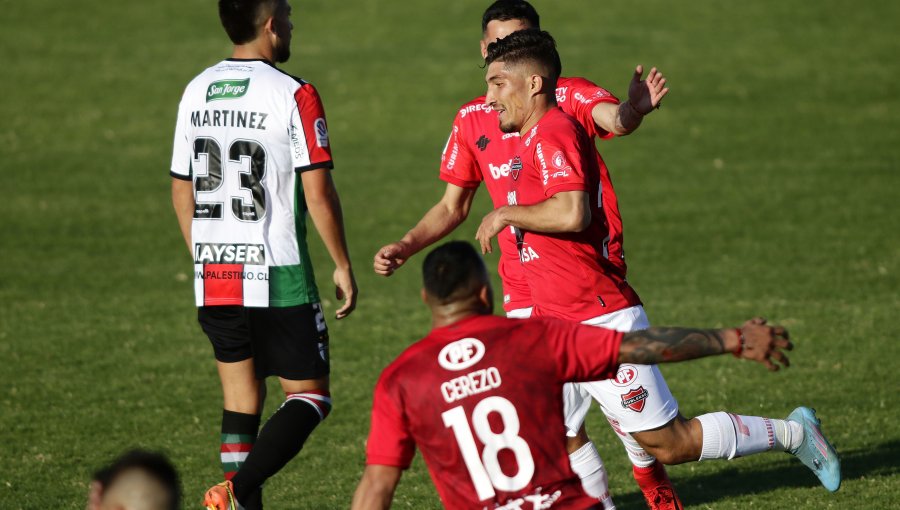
x=765, y=343
x=390, y=257
x=491, y=225
x=345, y=288
x=645, y=95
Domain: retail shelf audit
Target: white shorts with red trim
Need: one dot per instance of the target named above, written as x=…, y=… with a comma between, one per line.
x=637, y=399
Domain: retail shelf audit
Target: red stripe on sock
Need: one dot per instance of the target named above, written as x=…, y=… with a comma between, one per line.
x=236, y=447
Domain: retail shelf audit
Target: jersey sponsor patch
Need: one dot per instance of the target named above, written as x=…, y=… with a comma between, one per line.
x=635, y=399
x=321, y=132
x=227, y=89
x=461, y=354
x=223, y=253
x=625, y=376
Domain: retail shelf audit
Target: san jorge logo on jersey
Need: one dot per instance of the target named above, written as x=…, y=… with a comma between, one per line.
x=635, y=399
x=461, y=354
x=227, y=89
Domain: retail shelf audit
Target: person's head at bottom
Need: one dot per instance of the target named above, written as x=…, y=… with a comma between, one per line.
x=456, y=283
x=137, y=480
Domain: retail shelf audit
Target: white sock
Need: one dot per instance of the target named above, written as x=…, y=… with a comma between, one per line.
x=726, y=436
x=587, y=464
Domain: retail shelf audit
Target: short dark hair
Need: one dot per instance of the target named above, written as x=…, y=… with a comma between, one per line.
x=242, y=18
x=530, y=45
x=153, y=463
x=453, y=271
x=505, y=10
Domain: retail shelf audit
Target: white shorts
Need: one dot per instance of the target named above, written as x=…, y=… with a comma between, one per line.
x=637, y=399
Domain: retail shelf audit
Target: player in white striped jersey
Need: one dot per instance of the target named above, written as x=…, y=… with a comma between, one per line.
x=251, y=157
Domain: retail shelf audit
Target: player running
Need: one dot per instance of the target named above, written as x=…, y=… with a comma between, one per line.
x=479, y=395
x=553, y=212
x=251, y=158
x=478, y=151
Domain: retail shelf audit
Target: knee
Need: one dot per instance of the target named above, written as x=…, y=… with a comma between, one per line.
x=676, y=443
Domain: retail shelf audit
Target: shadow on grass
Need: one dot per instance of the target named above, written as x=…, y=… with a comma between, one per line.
x=730, y=480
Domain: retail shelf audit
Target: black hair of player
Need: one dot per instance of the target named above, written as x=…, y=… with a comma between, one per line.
x=453, y=271
x=505, y=10
x=529, y=45
x=241, y=19
x=153, y=463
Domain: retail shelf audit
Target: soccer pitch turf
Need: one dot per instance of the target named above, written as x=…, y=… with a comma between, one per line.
x=765, y=185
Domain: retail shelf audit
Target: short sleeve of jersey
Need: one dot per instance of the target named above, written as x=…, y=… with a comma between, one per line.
x=561, y=166
x=581, y=98
x=390, y=442
x=181, y=149
x=458, y=165
x=310, y=148
x=583, y=353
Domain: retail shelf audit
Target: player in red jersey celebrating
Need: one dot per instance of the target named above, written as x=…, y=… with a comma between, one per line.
x=478, y=151
x=479, y=395
x=552, y=210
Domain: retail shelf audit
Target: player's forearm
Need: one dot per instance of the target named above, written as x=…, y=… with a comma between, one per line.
x=183, y=202
x=376, y=488
x=618, y=119
x=563, y=212
x=439, y=221
x=627, y=119
x=325, y=210
x=667, y=345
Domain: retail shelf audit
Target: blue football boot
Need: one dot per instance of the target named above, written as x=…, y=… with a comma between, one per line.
x=815, y=452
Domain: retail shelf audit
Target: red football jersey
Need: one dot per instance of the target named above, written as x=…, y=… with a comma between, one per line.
x=569, y=275
x=478, y=151
x=481, y=400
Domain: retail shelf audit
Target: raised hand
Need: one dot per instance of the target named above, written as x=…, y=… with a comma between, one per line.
x=645, y=95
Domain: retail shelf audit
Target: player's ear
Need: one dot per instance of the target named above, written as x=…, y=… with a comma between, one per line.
x=484, y=46
x=269, y=26
x=423, y=295
x=95, y=496
x=535, y=84
x=486, y=297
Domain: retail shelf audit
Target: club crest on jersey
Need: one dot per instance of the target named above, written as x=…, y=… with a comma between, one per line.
x=321, y=132
x=515, y=167
x=635, y=399
x=461, y=354
x=227, y=89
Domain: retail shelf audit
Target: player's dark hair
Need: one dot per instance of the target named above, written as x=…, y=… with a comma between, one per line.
x=505, y=10
x=152, y=463
x=453, y=271
x=530, y=45
x=242, y=18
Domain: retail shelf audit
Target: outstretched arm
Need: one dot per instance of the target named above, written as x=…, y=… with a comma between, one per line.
x=376, y=488
x=643, y=97
x=325, y=209
x=439, y=221
x=755, y=341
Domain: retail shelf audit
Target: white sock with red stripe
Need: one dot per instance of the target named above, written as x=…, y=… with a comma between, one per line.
x=319, y=400
x=726, y=436
x=587, y=464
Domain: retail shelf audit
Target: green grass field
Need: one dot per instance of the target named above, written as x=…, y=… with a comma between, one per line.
x=765, y=185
